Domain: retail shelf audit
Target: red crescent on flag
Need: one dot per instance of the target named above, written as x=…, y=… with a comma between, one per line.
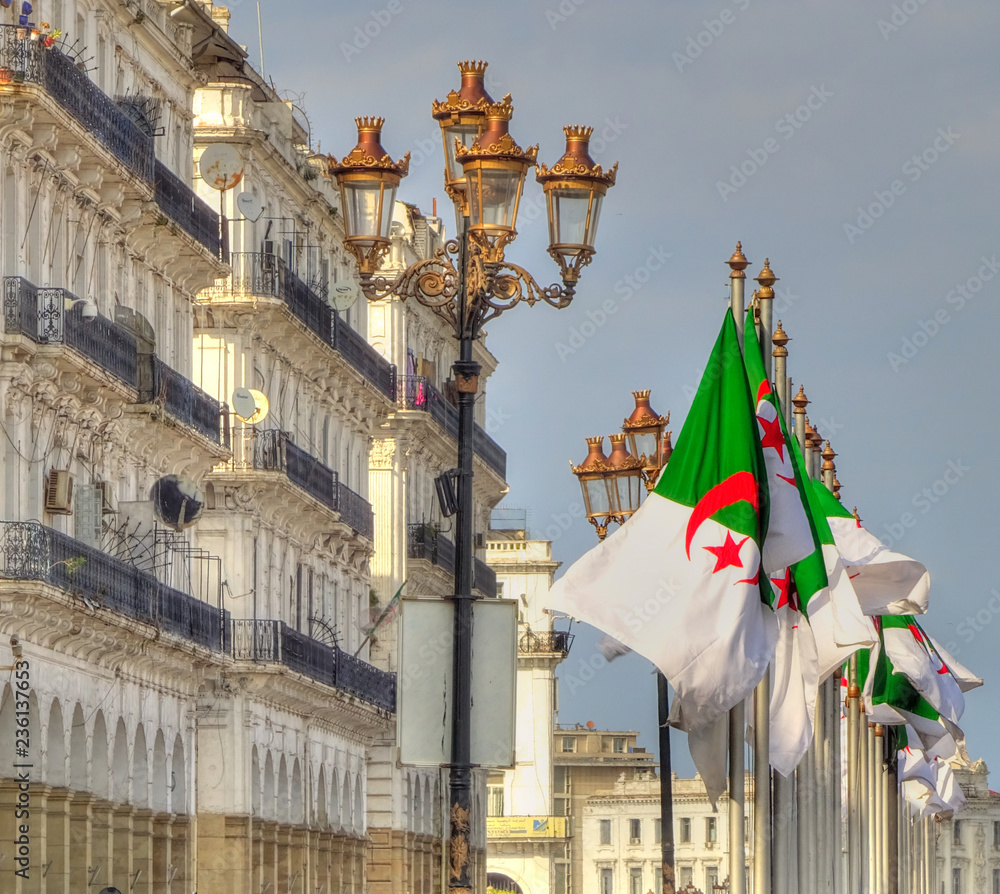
x=739, y=486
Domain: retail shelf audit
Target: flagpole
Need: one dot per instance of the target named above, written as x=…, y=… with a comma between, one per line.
x=878, y=819
x=737, y=716
x=762, y=694
x=892, y=812
x=784, y=790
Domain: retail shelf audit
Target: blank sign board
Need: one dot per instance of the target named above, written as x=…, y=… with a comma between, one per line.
x=423, y=730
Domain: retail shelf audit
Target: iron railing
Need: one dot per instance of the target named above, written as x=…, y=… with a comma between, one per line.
x=417, y=393
x=546, y=641
x=261, y=273
x=31, y=551
x=355, y=511
x=42, y=316
x=484, y=578
x=27, y=61
x=274, y=451
x=424, y=541
x=182, y=205
x=275, y=641
x=186, y=402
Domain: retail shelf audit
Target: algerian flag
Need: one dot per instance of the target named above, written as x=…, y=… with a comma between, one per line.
x=679, y=582
x=907, y=647
x=886, y=582
x=927, y=784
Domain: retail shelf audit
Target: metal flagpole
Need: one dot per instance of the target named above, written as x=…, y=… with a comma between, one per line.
x=892, y=812
x=878, y=817
x=737, y=716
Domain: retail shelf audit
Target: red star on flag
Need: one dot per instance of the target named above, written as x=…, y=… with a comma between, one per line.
x=727, y=554
x=771, y=435
x=781, y=584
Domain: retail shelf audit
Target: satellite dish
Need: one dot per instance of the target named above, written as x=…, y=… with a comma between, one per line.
x=250, y=405
x=110, y=891
x=249, y=205
x=344, y=294
x=221, y=166
x=177, y=502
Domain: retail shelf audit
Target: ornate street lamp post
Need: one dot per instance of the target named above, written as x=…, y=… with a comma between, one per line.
x=612, y=493
x=468, y=283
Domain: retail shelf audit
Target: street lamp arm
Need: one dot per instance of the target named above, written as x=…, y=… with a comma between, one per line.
x=508, y=288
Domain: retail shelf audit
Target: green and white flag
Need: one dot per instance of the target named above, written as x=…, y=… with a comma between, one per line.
x=927, y=785
x=679, y=583
x=886, y=582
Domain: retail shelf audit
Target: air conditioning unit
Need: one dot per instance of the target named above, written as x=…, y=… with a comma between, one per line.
x=59, y=492
x=107, y=508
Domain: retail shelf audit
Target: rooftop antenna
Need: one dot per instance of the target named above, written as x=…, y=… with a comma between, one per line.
x=260, y=38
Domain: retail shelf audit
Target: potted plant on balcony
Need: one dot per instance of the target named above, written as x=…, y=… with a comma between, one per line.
x=6, y=75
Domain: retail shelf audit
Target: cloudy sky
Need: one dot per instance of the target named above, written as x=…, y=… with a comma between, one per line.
x=855, y=144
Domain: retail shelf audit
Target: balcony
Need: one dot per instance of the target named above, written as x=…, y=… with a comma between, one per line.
x=417, y=393
x=424, y=541
x=180, y=203
x=260, y=274
x=545, y=642
x=276, y=642
x=41, y=316
x=24, y=61
x=32, y=552
x=274, y=451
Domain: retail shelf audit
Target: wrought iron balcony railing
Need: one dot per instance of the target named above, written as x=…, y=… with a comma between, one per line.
x=261, y=273
x=41, y=315
x=27, y=61
x=417, y=393
x=275, y=641
x=30, y=551
x=424, y=541
x=484, y=578
x=183, y=206
x=274, y=451
x=545, y=642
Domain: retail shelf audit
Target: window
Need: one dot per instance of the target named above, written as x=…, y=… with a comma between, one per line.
x=560, y=878
x=996, y=833
x=685, y=876
x=569, y=743
x=657, y=831
x=635, y=831
x=684, y=834
x=635, y=880
x=956, y=881
x=711, y=832
x=618, y=745
x=996, y=881
x=746, y=828
x=560, y=781
x=956, y=832
x=711, y=878
x=607, y=881
x=495, y=804
x=605, y=831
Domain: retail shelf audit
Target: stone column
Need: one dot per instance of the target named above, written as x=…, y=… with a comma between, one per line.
x=120, y=875
x=80, y=841
x=180, y=856
x=101, y=831
x=256, y=855
x=270, y=856
x=56, y=862
x=283, y=862
x=162, y=858
x=142, y=852
x=337, y=874
x=299, y=861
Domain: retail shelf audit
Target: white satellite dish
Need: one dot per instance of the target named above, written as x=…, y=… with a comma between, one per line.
x=344, y=294
x=249, y=205
x=250, y=405
x=221, y=166
x=177, y=502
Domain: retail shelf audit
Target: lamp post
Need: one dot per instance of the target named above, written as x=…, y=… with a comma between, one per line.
x=468, y=283
x=612, y=493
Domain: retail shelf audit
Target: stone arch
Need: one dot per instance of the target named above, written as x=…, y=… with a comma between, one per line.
x=267, y=810
x=296, y=815
x=255, y=782
x=160, y=801
x=120, y=790
x=359, y=808
x=78, y=751
x=321, y=816
x=99, y=763
x=55, y=747
x=140, y=769
x=178, y=778
x=7, y=724
x=282, y=791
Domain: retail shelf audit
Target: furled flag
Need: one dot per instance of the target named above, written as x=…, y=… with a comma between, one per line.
x=886, y=582
x=679, y=583
x=927, y=785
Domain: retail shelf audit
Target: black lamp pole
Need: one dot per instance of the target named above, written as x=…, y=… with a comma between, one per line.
x=666, y=786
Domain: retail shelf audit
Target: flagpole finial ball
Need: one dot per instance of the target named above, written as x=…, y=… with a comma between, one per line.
x=878, y=731
x=766, y=279
x=800, y=401
x=779, y=340
x=836, y=485
x=856, y=516
x=828, y=458
x=738, y=263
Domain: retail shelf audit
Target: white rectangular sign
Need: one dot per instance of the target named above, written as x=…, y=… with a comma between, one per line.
x=423, y=728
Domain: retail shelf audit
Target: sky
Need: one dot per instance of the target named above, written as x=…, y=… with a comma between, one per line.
x=856, y=145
